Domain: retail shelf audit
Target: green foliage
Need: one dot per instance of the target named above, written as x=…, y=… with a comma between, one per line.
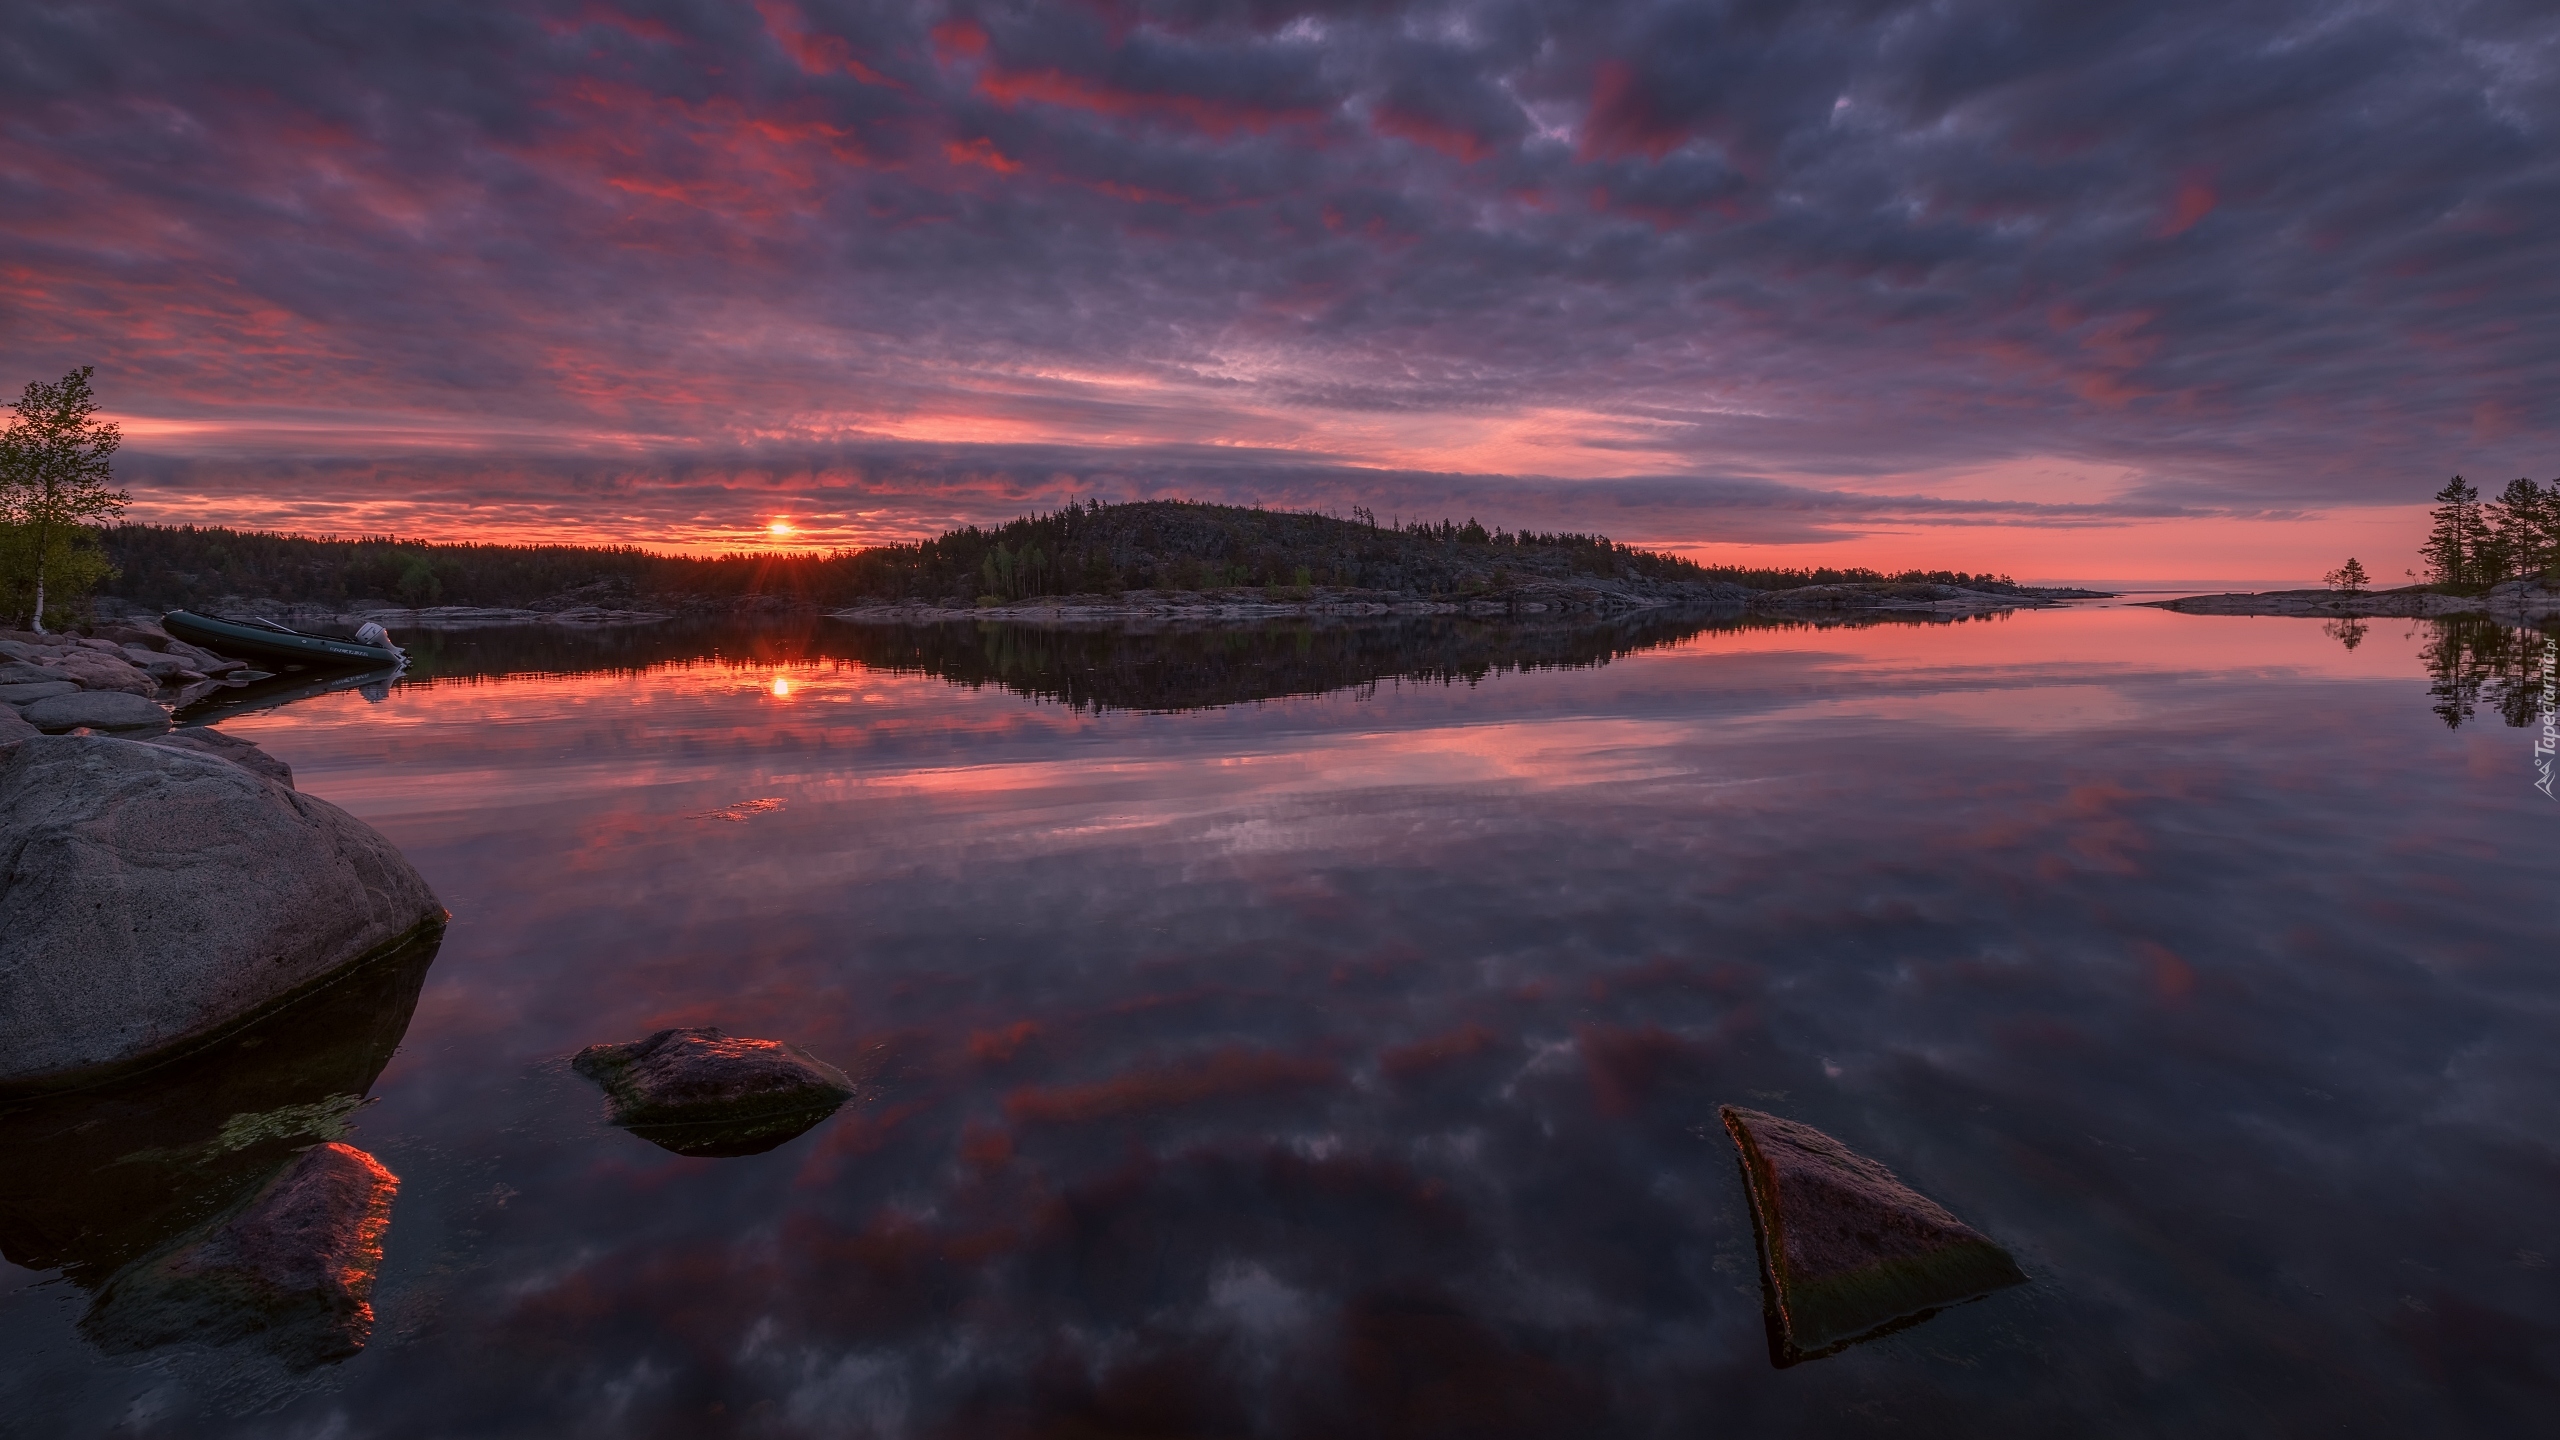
x=74, y=563
x=54, y=469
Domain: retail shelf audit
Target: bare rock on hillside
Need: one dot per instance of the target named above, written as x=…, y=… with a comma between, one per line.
x=1848, y=1252
x=152, y=899
x=704, y=1092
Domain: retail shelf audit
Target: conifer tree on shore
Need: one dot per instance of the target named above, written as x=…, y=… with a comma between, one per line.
x=2453, y=547
x=2522, y=532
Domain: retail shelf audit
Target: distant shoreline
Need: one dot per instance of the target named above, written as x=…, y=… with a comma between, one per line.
x=1546, y=601
x=2522, y=600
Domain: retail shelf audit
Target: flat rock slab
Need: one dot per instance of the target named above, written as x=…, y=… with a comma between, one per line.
x=97, y=671
x=96, y=709
x=1848, y=1252
x=294, y=1267
x=152, y=900
x=703, y=1092
x=22, y=672
x=22, y=691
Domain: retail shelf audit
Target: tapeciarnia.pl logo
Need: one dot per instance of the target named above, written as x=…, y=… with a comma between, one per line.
x=2549, y=740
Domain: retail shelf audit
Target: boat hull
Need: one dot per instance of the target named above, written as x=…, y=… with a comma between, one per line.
x=251, y=642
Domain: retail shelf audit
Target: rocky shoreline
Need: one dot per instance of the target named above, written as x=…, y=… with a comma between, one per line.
x=2516, y=601
x=123, y=679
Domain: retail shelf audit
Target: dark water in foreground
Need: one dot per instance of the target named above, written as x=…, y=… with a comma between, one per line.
x=1343, y=1061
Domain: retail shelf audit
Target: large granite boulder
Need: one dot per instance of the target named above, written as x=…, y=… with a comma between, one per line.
x=293, y=1267
x=96, y=710
x=205, y=740
x=703, y=1092
x=152, y=900
x=1848, y=1252
x=14, y=727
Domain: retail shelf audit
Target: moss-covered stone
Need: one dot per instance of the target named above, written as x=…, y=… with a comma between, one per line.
x=702, y=1092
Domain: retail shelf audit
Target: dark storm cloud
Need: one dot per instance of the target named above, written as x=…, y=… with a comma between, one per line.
x=2262, y=257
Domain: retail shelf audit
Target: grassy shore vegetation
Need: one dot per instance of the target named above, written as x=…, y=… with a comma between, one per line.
x=1082, y=549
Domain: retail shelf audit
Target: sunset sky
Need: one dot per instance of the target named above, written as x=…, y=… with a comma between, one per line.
x=2090, y=289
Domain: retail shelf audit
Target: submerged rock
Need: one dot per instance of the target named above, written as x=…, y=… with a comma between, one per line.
x=1847, y=1252
x=97, y=709
x=100, y=1176
x=293, y=1267
x=702, y=1092
x=152, y=900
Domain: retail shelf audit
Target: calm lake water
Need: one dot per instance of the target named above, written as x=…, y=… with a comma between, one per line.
x=1319, y=1031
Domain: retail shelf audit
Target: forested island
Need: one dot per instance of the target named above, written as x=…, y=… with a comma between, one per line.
x=1137, y=557
x=2498, y=558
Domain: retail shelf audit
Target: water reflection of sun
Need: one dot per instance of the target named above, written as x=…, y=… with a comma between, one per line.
x=781, y=687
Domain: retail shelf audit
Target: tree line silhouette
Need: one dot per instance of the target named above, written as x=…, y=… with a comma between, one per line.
x=1081, y=549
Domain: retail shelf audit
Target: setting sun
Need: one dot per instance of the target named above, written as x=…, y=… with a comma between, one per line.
x=779, y=529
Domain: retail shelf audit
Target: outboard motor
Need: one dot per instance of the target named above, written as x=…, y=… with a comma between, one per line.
x=372, y=633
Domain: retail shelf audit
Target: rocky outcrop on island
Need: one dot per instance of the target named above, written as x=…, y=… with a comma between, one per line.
x=1848, y=1252
x=153, y=898
x=2520, y=602
x=293, y=1267
x=699, y=1091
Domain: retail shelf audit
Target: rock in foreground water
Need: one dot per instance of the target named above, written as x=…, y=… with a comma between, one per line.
x=152, y=899
x=703, y=1092
x=293, y=1267
x=1848, y=1252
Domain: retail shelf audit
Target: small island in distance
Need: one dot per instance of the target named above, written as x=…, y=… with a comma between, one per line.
x=1140, y=559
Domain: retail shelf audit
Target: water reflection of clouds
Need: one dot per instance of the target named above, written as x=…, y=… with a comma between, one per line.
x=1332, y=1065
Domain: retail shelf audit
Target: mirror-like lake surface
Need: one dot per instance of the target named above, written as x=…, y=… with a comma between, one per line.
x=1343, y=1059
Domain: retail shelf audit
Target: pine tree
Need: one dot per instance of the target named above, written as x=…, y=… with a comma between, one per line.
x=53, y=467
x=2349, y=579
x=2522, y=529
x=2453, y=544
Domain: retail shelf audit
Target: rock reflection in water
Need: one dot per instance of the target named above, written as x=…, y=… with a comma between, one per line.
x=139, y=1188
